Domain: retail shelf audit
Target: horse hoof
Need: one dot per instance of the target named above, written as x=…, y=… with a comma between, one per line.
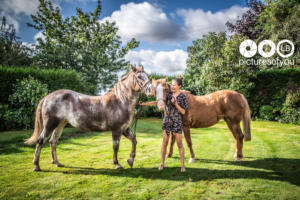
x=119, y=167
x=237, y=157
x=130, y=162
x=37, y=169
x=169, y=155
x=192, y=160
x=59, y=165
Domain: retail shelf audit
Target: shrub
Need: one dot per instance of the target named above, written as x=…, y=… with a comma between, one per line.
x=291, y=108
x=23, y=103
x=274, y=88
x=55, y=79
x=266, y=112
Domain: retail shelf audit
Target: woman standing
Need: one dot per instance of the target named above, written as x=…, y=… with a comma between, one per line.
x=176, y=106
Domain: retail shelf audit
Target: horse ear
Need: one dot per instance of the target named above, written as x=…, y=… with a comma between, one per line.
x=141, y=68
x=133, y=68
x=166, y=78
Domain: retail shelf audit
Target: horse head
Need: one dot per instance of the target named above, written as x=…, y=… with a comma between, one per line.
x=142, y=81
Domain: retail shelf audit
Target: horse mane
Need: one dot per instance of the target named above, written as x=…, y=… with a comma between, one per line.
x=116, y=88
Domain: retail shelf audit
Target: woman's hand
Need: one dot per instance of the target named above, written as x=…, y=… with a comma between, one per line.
x=173, y=100
x=141, y=103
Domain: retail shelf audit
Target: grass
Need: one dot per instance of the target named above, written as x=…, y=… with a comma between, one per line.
x=270, y=169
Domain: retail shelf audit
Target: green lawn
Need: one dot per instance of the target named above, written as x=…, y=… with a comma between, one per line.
x=270, y=169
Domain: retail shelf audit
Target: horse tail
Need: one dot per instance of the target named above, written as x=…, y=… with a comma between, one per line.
x=38, y=124
x=246, y=119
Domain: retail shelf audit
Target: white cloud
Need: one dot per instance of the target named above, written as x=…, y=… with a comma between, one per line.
x=198, y=22
x=145, y=22
x=14, y=9
x=162, y=62
x=39, y=35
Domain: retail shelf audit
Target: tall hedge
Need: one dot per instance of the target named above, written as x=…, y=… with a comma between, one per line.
x=272, y=88
x=55, y=79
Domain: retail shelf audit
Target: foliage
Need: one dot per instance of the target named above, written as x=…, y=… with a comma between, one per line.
x=278, y=89
x=247, y=24
x=55, y=79
x=266, y=112
x=281, y=20
x=213, y=64
x=23, y=103
x=12, y=51
x=291, y=107
x=82, y=43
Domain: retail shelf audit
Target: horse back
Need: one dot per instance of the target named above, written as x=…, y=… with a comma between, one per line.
x=92, y=113
x=207, y=110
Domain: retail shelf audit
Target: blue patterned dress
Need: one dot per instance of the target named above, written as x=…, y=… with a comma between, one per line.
x=173, y=118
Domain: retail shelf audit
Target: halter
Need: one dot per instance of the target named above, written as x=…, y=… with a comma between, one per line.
x=142, y=87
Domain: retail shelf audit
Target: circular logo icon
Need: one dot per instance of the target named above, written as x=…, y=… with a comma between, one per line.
x=291, y=45
x=261, y=48
x=248, y=48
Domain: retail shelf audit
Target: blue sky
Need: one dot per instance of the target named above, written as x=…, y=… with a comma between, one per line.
x=165, y=28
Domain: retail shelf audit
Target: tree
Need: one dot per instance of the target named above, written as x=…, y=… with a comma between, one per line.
x=281, y=20
x=214, y=64
x=12, y=51
x=81, y=43
x=247, y=24
x=204, y=64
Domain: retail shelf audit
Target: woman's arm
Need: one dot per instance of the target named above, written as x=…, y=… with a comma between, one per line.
x=181, y=110
x=183, y=104
x=150, y=103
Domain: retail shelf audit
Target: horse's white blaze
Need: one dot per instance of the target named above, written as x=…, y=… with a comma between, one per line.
x=159, y=93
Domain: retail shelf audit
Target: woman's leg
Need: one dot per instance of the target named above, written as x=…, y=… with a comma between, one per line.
x=163, y=149
x=181, y=150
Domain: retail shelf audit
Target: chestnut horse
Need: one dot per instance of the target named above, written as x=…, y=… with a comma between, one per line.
x=205, y=111
x=113, y=111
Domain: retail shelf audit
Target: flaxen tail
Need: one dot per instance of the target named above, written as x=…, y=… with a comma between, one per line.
x=246, y=120
x=38, y=124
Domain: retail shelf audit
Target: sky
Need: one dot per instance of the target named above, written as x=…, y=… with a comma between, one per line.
x=164, y=28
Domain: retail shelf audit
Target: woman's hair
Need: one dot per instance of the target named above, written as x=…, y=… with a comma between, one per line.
x=179, y=80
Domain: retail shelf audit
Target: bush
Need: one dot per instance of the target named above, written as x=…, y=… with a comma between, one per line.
x=266, y=113
x=55, y=79
x=291, y=108
x=274, y=88
x=23, y=102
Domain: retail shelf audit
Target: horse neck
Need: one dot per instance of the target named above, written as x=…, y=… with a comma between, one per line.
x=123, y=91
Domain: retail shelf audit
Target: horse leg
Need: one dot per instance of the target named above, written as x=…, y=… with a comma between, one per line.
x=53, y=143
x=239, y=141
x=42, y=139
x=49, y=125
x=116, y=142
x=171, y=145
x=187, y=135
x=128, y=134
x=238, y=136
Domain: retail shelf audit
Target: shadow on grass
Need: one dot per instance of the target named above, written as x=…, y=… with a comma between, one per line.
x=281, y=169
x=15, y=143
